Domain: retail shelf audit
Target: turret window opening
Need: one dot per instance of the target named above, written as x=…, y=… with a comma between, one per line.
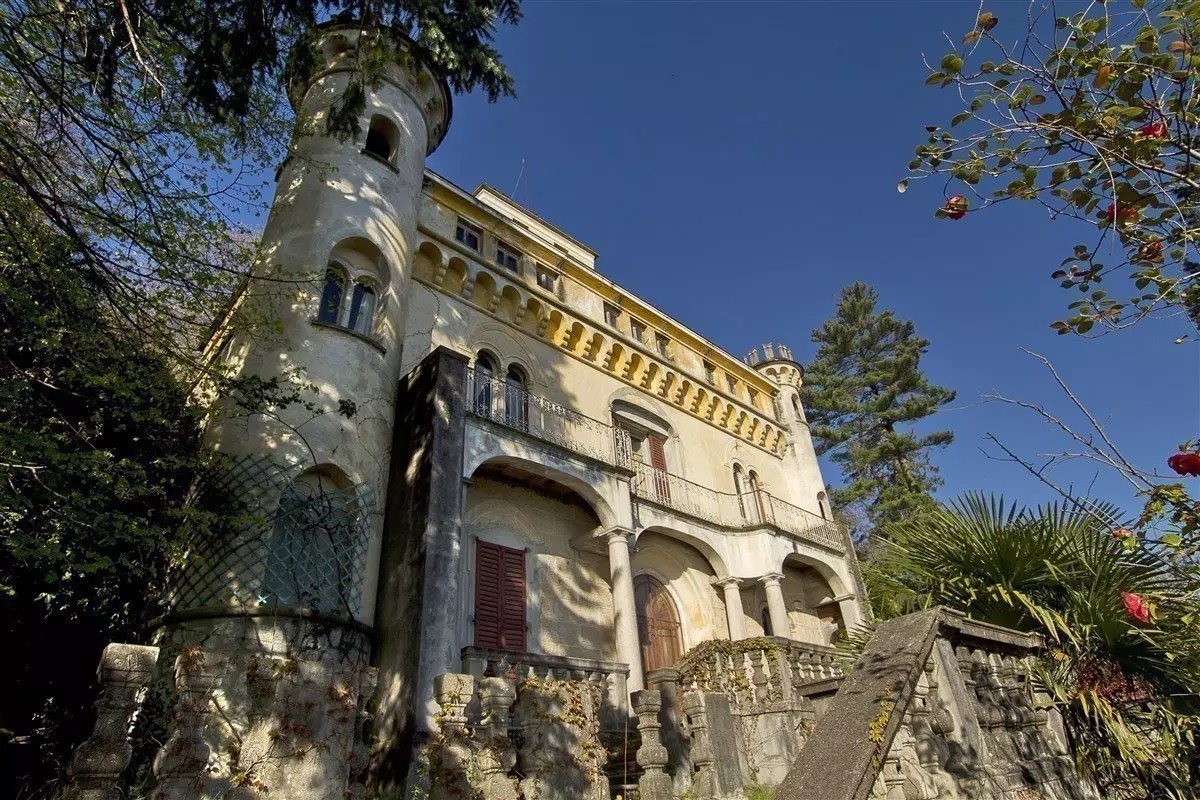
x=362, y=309
x=382, y=139
x=330, y=311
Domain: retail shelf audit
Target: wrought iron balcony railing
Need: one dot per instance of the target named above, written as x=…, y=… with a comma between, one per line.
x=510, y=404
x=748, y=510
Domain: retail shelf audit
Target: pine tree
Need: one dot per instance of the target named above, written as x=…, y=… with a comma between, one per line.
x=861, y=392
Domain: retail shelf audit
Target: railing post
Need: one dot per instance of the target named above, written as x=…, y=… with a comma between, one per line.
x=704, y=781
x=654, y=784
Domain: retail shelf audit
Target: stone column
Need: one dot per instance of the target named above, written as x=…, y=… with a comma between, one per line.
x=781, y=625
x=733, y=608
x=629, y=649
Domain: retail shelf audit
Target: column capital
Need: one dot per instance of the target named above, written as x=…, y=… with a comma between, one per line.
x=770, y=579
x=725, y=583
x=612, y=533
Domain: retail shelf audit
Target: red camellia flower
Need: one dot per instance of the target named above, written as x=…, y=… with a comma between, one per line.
x=1154, y=130
x=1135, y=606
x=1121, y=216
x=1151, y=251
x=956, y=207
x=1185, y=464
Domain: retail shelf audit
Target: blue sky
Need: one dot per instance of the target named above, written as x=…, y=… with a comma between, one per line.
x=736, y=165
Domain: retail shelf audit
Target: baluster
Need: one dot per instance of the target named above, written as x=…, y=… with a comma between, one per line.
x=704, y=781
x=654, y=784
x=124, y=673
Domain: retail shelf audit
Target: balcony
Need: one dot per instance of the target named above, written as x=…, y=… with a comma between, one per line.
x=729, y=510
x=510, y=405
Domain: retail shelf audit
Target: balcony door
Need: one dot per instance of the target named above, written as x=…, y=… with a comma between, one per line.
x=659, y=632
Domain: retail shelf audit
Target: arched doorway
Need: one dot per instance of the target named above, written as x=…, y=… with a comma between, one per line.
x=659, y=632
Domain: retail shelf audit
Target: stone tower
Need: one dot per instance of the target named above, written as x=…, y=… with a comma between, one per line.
x=273, y=614
x=777, y=363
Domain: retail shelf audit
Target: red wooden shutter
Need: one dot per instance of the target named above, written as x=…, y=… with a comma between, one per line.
x=658, y=453
x=499, y=597
x=512, y=629
x=488, y=568
x=658, y=460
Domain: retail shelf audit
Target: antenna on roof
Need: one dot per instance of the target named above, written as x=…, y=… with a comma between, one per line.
x=518, y=183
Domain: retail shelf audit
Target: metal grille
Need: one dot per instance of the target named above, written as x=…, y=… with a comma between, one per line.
x=279, y=542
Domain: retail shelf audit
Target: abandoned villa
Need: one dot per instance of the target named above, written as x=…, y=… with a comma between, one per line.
x=543, y=540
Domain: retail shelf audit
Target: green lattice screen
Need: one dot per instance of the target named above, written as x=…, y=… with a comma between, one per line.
x=285, y=539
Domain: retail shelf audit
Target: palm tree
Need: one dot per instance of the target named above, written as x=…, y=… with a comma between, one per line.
x=1122, y=663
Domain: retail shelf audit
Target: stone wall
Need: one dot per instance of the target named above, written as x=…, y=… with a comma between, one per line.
x=938, y=706
x=535, y=737
x=246, y=707
x=419, y=563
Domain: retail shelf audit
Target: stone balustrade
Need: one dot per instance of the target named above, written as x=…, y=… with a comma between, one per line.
x=511, y=405
x=610, y=676
x=763, y=671
x=733, y=511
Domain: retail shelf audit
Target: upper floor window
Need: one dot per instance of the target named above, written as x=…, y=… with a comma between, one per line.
x=486, y=367
x=638, y=330
x=467, y=234
x=611, y=315
x=382, y=139
x=710, y=373
x=330, y=311
x=546, y=278
x=360, y=316
x=507, y=257
x=362, y=309
x=662, y=343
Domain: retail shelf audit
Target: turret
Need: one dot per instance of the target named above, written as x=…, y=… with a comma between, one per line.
x=279, y=603
x=779, y=365
x=336, y=257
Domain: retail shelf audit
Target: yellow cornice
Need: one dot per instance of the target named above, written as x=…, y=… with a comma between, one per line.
x=462, y=202
x=503, y=277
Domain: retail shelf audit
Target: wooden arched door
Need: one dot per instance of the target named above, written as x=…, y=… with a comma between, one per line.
x=659, y=632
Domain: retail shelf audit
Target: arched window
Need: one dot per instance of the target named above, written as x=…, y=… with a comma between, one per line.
x=362, y=309
x=756, y=491
x=516, y=400
x=796, y=407
x=823, y=505
x=382, y=138
x=739, y=486
x=310, y=559
x=330, y=311
x=485, y=375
